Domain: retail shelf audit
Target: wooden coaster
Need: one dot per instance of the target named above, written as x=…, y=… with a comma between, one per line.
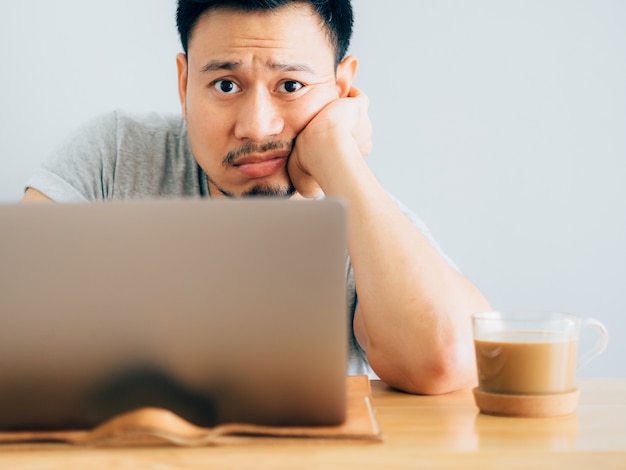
x=530, y=406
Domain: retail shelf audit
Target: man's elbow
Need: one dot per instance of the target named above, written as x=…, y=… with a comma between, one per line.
x=32, y=195
x=440, y=373
x=441, y=377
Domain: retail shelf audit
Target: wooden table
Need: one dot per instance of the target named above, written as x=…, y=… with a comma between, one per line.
x=420, y=432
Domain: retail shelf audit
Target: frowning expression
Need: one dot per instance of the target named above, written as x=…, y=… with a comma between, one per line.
x=249, y=84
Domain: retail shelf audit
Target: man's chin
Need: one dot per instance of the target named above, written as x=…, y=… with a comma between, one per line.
x=278, y=189
x=266, y=190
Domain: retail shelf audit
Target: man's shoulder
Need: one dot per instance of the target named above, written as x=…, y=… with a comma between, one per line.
x=149, y=122
x=118, y=155
x=120, y=127
x=150, y=140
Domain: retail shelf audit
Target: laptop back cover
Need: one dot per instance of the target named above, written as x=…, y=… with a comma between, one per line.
x=220, y=311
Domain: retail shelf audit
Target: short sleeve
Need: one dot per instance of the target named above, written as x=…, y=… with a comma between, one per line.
x=81, y=167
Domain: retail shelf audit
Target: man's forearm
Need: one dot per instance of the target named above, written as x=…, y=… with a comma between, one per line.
x=414, y=309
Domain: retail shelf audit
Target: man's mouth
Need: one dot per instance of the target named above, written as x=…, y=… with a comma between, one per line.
x=260, y=166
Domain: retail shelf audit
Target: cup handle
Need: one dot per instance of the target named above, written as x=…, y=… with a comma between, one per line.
x=598, y=347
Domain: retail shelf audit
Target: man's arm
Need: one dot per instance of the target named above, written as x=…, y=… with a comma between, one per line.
x=413, y=316
x=32, y=195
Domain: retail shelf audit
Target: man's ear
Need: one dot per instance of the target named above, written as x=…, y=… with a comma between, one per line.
x=346, y=71
x=181, y=65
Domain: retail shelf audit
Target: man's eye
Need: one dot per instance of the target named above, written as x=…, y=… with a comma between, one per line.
x=226, y=86
x=290, y=86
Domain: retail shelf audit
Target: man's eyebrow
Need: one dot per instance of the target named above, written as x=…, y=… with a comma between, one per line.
x=215, y=65
x=291, y=67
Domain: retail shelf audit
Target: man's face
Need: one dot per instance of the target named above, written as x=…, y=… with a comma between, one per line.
x=250, y=83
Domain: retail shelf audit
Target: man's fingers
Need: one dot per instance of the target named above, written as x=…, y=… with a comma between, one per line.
x=304, y=183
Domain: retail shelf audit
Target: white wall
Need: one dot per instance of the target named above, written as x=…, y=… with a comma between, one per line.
x=502, y=123
x=64, y=61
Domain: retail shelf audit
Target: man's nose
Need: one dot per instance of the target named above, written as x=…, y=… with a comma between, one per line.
x=259, y=117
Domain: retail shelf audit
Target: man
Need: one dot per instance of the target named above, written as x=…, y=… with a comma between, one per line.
x=269, y=108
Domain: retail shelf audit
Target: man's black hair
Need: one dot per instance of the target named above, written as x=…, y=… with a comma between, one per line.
x=336, y=15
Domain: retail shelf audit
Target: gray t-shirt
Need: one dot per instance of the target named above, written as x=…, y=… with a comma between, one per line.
x=122, y=156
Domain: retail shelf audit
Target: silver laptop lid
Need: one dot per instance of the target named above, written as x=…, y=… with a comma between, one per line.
x=220, y=311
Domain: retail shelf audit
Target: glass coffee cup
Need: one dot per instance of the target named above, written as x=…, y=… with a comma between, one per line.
x=527, y=360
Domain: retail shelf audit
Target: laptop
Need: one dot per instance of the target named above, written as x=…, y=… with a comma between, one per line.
x=220, y=311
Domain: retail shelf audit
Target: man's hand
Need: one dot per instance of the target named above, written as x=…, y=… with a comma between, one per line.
x=342, y=122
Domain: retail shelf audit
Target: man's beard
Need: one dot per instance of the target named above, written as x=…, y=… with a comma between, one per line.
x=263, y=189
x=246, y=149
x=260, y=190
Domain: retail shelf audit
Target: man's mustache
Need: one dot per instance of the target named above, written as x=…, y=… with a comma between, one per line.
x=251, y=147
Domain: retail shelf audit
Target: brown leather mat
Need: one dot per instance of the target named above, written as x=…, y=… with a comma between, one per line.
x=148, y=426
